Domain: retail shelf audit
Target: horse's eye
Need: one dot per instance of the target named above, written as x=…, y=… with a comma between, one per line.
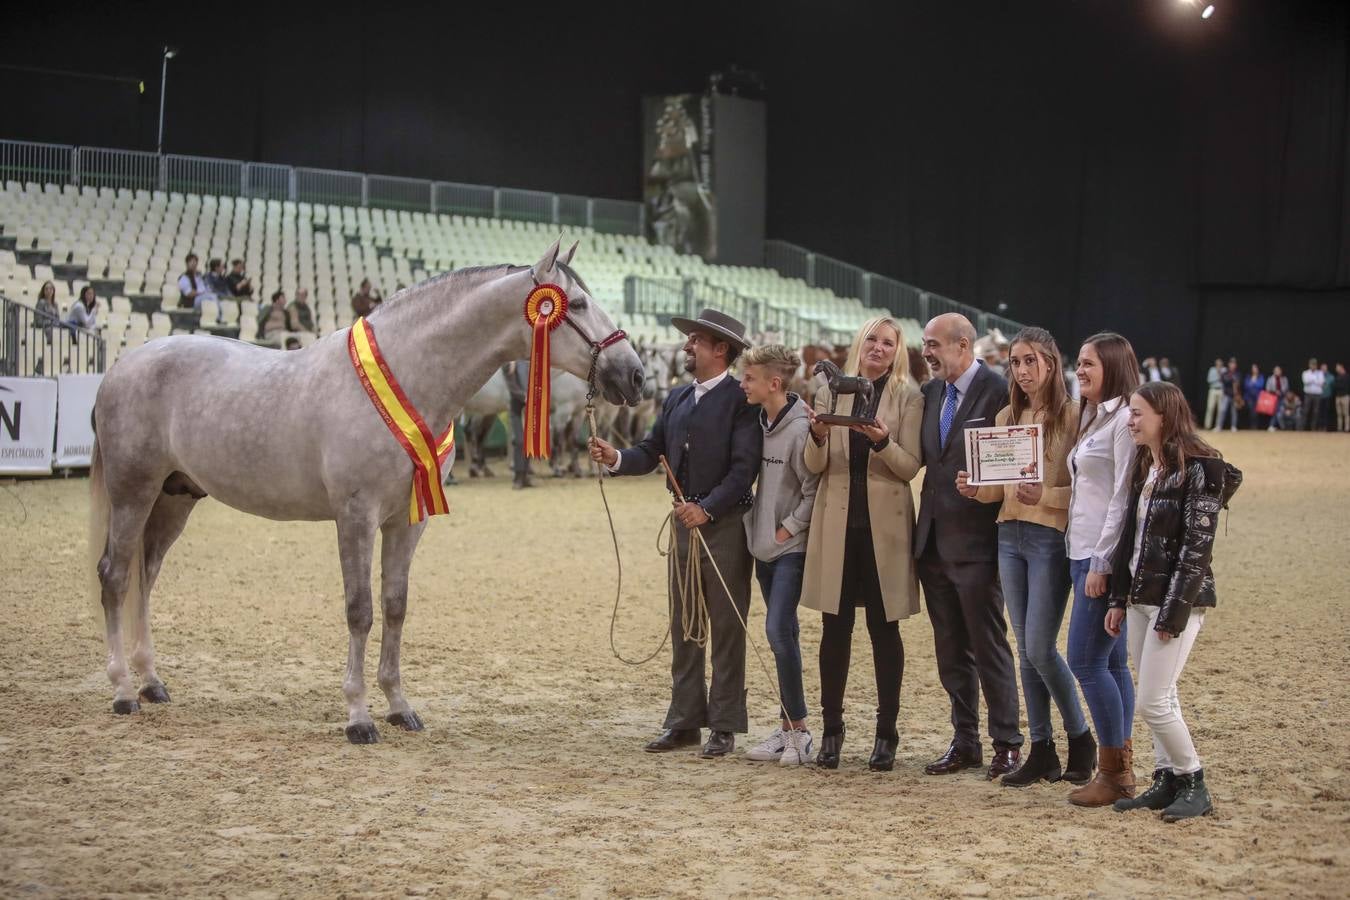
x=579, y=305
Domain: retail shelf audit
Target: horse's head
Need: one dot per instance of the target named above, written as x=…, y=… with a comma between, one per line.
x=618, y=370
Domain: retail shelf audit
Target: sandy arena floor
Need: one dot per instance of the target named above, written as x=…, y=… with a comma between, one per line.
x=529, y=779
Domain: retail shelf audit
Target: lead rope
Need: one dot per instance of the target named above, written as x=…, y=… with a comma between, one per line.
x=695, y=622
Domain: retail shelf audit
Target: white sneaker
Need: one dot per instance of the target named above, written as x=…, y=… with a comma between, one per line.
x=770, y=749
x=798, y=749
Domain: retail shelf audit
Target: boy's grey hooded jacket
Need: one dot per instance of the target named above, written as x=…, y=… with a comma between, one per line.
x=787, y=490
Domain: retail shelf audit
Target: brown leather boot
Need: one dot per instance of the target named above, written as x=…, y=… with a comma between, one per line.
x=1127, y=768
x=1106, y=787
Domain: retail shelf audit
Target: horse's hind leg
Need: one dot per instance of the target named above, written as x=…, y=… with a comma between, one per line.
x=120, y=568
x=356, y=543
x=396, y=552
x=166, y=522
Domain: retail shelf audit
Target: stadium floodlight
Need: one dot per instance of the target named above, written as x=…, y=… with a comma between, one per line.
x=169, y=53
x=1209, y=11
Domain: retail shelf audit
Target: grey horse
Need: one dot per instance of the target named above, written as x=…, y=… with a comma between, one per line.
x=293, y=436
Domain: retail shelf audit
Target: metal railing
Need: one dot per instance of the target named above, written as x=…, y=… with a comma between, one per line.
x=33, y=344
x=666, y=297
x=101, y=167
x=847, y=280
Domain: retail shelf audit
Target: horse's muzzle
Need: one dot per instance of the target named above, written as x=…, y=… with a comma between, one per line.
x=621, y=381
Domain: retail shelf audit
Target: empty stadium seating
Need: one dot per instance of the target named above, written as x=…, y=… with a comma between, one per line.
x=131, y=246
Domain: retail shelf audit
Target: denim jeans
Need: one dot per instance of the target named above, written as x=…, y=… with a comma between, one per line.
x=780, y=581
x=1034, y=571
x=1228, y=412
x=1099, y=662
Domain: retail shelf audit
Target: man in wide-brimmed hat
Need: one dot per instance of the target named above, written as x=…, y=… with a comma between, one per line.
x=713, y=441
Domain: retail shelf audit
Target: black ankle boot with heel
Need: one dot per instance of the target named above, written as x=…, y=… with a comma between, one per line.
x=1042, y=763
x=831, y=743
x=883, y=752
x=1082, y=759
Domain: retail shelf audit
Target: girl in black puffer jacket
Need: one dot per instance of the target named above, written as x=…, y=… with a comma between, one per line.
x=1161, y=580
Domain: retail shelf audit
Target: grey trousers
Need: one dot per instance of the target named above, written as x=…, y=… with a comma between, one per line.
x=693, y=704
x=970, y=640
x=519, y=464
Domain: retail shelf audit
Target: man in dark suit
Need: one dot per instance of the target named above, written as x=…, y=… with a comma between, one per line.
x=956, y=545
x=713, y=441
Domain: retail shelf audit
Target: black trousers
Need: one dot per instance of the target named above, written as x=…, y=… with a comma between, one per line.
x=970, y=640
x=860, y=587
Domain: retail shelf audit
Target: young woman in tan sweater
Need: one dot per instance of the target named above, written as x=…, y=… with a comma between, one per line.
x=1032, y=562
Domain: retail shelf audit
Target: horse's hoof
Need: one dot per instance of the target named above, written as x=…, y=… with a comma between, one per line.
x=408, y=721
x=474, y=473
x=155, y=693
x=488, y=473
x=363, y=733
x=125, y=707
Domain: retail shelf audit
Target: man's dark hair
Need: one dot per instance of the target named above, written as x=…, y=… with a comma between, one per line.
x=190, y=258
x=733, y=353
x=236, y=262
x=211, y=266
x=276, y=294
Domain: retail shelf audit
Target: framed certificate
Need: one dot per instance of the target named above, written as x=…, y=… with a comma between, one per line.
x=1007, y=454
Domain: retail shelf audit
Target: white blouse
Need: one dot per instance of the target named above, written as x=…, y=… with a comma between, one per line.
x=1099, y=471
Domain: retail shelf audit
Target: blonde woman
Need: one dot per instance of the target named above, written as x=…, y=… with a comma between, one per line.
x=1033, y=566
x=859, y=544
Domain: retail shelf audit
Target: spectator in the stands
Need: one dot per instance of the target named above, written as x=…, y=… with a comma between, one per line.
x=299, y=314
x=1277, y=384
x=47, y=309
x=365, y=300
x=192, y=287
x=1291, y=412
x=217, y=283
x=292, y=343
x=240, y=284
x=1252, y=386
x=1214, y=399
x=272, y=318
x=1231, y=400
x=1148, y=371
x=84, y=311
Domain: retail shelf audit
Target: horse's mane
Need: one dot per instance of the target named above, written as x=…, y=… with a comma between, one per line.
x=472, y=274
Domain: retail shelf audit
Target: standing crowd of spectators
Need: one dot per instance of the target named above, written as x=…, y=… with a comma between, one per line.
x=1319, y=402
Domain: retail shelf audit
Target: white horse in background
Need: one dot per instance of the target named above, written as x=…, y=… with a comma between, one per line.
x=294, y=436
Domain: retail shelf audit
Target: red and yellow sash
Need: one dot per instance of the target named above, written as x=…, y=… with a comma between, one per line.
x=404, y=422
x=545, y=309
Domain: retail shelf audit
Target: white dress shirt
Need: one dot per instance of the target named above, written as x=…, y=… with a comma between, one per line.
x=1100, y=464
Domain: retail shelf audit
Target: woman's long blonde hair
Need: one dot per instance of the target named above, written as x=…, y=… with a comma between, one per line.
x=899, y=366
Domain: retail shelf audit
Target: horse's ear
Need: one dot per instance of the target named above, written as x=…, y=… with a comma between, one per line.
x=549, y=260
x=571, y=251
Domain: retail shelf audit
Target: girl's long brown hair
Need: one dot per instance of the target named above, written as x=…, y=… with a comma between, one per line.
x=1055, y=394
x=1180, y=440
x=1120, y=370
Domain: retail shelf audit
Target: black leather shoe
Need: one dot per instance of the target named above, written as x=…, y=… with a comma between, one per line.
x=673, y=739
x=883, y=754
x=1005, y=762
x=954, y=760
x=830, y=746
x=720, y=743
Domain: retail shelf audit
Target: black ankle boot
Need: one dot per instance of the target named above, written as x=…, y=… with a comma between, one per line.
x=1041, y=763
x=1192, y=798
x=830, y=744
x=883, y=753
x=1082, y=758
x=1159, y=795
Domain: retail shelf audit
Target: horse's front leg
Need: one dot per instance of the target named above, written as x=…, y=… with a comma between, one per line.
x=356, y=544
x=396, y=552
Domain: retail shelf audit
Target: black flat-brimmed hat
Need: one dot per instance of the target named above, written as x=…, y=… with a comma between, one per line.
x=721, y=325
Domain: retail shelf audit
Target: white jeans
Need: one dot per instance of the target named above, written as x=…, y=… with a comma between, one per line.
x=1157, y=666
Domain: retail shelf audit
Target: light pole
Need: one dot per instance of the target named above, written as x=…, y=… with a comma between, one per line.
x=169, y=53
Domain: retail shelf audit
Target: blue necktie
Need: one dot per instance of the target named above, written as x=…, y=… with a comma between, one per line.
x=948, y=415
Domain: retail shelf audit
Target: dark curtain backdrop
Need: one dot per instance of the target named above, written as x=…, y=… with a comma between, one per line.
x=1090, y=163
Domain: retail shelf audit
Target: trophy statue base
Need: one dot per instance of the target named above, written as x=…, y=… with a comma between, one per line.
x=842, y=421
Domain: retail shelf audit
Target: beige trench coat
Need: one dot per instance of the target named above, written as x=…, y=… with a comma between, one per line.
x=889, y=501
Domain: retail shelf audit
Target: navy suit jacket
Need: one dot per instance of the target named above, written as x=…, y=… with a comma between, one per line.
x=965, y=527
x=714, y=446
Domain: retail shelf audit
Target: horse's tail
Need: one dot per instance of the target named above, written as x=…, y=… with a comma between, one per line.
x=100, y=509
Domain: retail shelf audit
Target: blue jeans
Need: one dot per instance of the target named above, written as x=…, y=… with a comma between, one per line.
x=780, y=581
x=1034, y=571
x=1100, y=663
